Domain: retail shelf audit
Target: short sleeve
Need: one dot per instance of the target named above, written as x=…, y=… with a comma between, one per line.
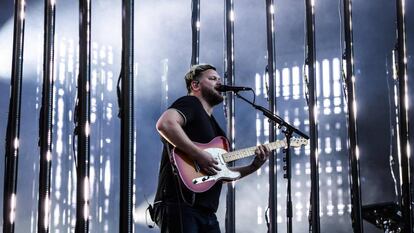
x=186, y=106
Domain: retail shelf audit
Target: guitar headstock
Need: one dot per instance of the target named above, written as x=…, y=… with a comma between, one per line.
x=297, y=142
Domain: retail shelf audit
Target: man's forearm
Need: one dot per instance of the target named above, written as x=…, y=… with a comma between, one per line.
x=175, y=135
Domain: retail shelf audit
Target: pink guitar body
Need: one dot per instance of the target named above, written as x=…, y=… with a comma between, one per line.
x=190, y=173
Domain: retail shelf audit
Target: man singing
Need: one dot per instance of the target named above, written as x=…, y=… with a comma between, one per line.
x=189, y=119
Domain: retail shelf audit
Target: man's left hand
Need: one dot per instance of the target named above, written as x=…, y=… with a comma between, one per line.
x=262, y=154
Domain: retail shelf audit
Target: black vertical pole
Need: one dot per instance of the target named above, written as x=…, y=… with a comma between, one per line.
x=127, y=119
x=288, y=176
x=13, y=121
x=403, y=123
x=45, y=122
x=310, y=63
x=271, y=67
x=83, y=118
x=195, y=32
x=229, y=80
x=356, y=204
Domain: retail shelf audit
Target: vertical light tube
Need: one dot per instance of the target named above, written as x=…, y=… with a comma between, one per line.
x=195, y=32
x=404, y=145
x=82, y=129
x=13, y=122
x=310, y=63
x=126, y=219
x=271, y=67
x=356, y=203
x=46, y=118
x=230, y=108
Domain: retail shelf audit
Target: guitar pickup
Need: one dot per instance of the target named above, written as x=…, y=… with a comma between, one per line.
x=203, y=179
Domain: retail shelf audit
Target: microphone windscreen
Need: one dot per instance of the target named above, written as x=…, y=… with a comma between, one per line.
x=221, y=88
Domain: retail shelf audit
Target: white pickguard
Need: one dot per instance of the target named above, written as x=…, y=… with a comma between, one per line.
x=223, y=174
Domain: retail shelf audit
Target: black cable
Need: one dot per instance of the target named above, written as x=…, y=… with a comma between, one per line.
x=267, y=219
x=119, y=93
x=150, y=210
x=178, y=189
x=225, y=96
x=74, y=152
x=341, y=61
x=306, y=80
x=254, y=96
x=175, y=173
x=266, y=83
x=305, y=58
x=392, y=127
x=75, y=132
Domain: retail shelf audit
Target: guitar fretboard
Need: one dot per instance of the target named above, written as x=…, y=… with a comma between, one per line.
x=243, y=153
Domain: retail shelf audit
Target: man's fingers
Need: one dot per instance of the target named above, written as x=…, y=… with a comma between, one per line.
x=262, y=152
x=266, y=149
x=208, y=171
x=212, y=171
x=217, y=168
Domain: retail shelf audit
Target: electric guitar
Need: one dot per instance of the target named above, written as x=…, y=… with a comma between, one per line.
x=198, y=181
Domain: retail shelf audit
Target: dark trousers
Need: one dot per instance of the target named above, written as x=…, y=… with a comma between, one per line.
x=175, y=218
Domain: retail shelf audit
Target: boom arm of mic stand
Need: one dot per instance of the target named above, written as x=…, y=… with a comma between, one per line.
x=273, y=117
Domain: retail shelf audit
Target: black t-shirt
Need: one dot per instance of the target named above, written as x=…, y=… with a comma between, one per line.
x=199, y=127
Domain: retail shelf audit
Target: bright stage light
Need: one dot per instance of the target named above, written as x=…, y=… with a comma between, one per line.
x=6, y=45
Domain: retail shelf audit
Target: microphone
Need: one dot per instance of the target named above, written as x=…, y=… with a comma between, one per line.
x=225, y=88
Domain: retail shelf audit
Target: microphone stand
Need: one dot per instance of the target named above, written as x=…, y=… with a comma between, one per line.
x=273, y=117
x=287, y=130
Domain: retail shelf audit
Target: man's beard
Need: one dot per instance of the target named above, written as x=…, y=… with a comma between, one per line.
x=212, y=97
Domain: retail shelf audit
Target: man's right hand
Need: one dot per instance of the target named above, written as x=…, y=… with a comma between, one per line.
x=207, y=163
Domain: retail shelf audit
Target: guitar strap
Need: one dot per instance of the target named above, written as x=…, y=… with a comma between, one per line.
x=176, y=175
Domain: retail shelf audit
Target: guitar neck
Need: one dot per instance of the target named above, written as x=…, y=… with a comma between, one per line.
x=243, y=153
